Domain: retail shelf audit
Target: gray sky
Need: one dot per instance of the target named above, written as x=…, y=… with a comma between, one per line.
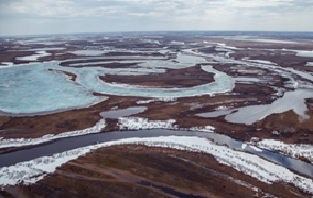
x=24, y=17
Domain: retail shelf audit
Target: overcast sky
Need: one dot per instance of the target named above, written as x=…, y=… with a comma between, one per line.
x=24, y=17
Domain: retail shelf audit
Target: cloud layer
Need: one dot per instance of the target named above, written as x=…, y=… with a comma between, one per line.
x=62, y=16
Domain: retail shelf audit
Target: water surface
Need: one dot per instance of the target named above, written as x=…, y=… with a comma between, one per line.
x=65, y=144
x=124, y=112
x=290, y=101
x=31, y=88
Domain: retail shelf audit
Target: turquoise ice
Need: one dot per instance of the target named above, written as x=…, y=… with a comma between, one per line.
x=32, y=88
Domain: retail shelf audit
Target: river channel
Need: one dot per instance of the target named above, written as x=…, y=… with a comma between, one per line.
x=65, y=144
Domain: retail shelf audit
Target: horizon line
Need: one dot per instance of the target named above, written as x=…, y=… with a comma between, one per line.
x=150, y=31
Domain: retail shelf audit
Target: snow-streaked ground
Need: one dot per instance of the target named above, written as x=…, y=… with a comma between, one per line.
x=124, y=123
x=165, y=99
x=252, y=165
x=137, y=123
x=209, y=129
x=35, y=56
x=262, y=62
x=35, y=170
x=294, y=150
x=18, y=142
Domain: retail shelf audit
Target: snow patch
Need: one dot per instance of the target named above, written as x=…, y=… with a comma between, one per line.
x=209, y=129
x=293, y=150
x=144, y=101
x=135, y=123
x=34, y=57
x=35, y=170
x=262, y=62
x=309, y=64
x=304, y=53
x=223, y=107
x=161, y=99
x=252, y=165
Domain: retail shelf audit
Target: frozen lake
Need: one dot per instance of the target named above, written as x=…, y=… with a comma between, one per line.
x=31, y=88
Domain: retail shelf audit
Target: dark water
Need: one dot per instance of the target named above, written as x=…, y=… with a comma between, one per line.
x=124, y=112
x=64, y=144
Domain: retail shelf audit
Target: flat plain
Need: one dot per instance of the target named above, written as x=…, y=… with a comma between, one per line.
x=157, y=114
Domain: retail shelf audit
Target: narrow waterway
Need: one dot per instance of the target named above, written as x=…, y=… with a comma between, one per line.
x=65, y=144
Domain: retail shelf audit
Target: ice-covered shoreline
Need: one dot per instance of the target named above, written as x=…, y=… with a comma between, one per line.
x=294, y=150
x=37, y=79
x=35, y=56
x=18, y=142
x=124, y=123
x=252, y=165
x=139, y=123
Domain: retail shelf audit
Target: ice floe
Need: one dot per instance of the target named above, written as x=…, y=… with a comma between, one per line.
x=252, y=165
x=209, y=129
x=18, y=142
x=135, y=123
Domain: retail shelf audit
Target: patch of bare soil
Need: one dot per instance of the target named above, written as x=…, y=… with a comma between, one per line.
x=55, y=123
x=292, y=128
x=187, y=77
x=281, y=58
x=10, y=56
